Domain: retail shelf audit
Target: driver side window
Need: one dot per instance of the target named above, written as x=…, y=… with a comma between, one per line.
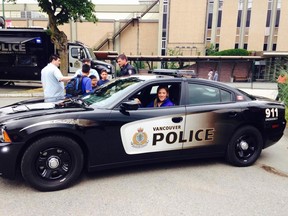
x=148, y=96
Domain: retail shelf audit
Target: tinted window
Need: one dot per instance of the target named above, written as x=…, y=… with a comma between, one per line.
x=202, y=94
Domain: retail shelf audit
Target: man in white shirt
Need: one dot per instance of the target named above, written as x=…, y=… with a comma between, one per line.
x=92, y=71
x=52, y=80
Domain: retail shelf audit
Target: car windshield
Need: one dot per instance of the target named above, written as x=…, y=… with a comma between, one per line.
x=91, y=53
x=111, y=92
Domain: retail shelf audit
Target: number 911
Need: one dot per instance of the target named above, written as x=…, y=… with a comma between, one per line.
x=271, y=113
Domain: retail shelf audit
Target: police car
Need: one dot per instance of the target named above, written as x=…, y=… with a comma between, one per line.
x=51, y=143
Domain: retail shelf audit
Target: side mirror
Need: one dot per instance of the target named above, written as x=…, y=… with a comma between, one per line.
x=81, y=53
x=129, y=105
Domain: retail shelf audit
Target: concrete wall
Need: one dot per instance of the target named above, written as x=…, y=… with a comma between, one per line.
x=283, y=27
x=257, y=28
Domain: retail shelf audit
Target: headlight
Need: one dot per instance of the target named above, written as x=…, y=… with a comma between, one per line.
x=4, y=137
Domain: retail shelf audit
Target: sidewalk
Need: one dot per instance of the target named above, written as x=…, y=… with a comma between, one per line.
x=36, y=92
x=264, y=89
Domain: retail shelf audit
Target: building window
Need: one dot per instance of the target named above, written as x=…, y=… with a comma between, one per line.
x=210, y=16
x=239, y=18
x=219, y=19
x=248, y=18
x=268, y=18
x=277, y=18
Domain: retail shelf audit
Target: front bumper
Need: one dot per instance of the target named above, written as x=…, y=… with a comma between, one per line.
x=8, y=159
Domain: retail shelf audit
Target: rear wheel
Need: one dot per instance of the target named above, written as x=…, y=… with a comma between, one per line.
x=52, y=163
x=245, y=146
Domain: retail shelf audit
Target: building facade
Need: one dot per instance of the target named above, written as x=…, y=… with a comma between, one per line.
x=187, y=26
x=174, y=27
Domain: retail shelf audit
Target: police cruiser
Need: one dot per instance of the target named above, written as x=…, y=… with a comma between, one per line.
x=52, y=143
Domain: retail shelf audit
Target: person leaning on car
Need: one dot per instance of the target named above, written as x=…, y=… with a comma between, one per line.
x=126, y=68
x=52, y=80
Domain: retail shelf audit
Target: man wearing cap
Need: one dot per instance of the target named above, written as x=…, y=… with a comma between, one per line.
x=92, y=71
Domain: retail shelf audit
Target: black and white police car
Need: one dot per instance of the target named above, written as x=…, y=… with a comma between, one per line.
x=51, y=143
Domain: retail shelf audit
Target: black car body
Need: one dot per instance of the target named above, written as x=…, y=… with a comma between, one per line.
x=51, y=143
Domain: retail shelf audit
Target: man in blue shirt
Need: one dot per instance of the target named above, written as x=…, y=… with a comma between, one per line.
x=86, y=81
x=52, y=80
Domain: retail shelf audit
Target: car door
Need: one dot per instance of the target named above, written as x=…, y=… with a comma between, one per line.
x=147, y=133
x=211, y=117
x=74, y=61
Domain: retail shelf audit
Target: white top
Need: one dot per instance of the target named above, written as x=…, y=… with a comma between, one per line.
x=91, y=72
x=52, y=86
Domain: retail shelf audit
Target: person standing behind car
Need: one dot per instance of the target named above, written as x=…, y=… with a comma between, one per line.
x=52, y=80
x=93, y=81
x=86, y=81
x=104, y=79
x=87, y=61
x=216, y=76
x=126, y=68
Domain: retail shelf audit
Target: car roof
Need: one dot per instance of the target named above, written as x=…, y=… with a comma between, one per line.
x=151, y=77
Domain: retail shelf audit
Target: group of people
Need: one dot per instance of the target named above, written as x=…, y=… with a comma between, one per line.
x=213, y=75
x=53, y=80
x=91, y=78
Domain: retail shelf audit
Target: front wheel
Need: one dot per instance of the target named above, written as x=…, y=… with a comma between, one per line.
x=52, y=163
x=245, y=146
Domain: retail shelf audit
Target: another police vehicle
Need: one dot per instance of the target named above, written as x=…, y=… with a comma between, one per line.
x=51, y=143
x=25, y=51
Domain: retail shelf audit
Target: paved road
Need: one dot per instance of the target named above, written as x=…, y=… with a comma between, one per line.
x=197, y=187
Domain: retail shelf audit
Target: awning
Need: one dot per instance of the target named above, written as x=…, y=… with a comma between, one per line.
x=15, y=40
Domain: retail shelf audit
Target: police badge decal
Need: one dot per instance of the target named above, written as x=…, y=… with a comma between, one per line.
x=140, y=139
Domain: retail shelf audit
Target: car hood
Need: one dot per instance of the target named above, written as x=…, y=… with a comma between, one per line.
x=27, y=109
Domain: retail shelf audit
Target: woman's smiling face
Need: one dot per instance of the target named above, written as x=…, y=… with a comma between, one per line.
x=162, y=94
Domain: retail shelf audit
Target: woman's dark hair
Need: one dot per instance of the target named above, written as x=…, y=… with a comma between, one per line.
x=163, y=87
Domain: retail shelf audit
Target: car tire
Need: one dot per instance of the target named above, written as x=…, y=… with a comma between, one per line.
x=52, y=163
x=244, y=147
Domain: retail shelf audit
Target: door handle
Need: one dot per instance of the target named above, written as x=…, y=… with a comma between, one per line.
x=177, y=119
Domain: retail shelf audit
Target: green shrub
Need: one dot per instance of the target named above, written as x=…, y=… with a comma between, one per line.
x=211, y=50
x=232, y=52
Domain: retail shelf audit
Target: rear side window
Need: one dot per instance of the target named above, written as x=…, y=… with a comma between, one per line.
x=202, y=94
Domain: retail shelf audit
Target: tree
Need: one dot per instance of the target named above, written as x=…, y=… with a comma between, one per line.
x=64, y=11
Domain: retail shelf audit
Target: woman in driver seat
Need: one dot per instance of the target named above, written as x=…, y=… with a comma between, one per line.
x=162, y=99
